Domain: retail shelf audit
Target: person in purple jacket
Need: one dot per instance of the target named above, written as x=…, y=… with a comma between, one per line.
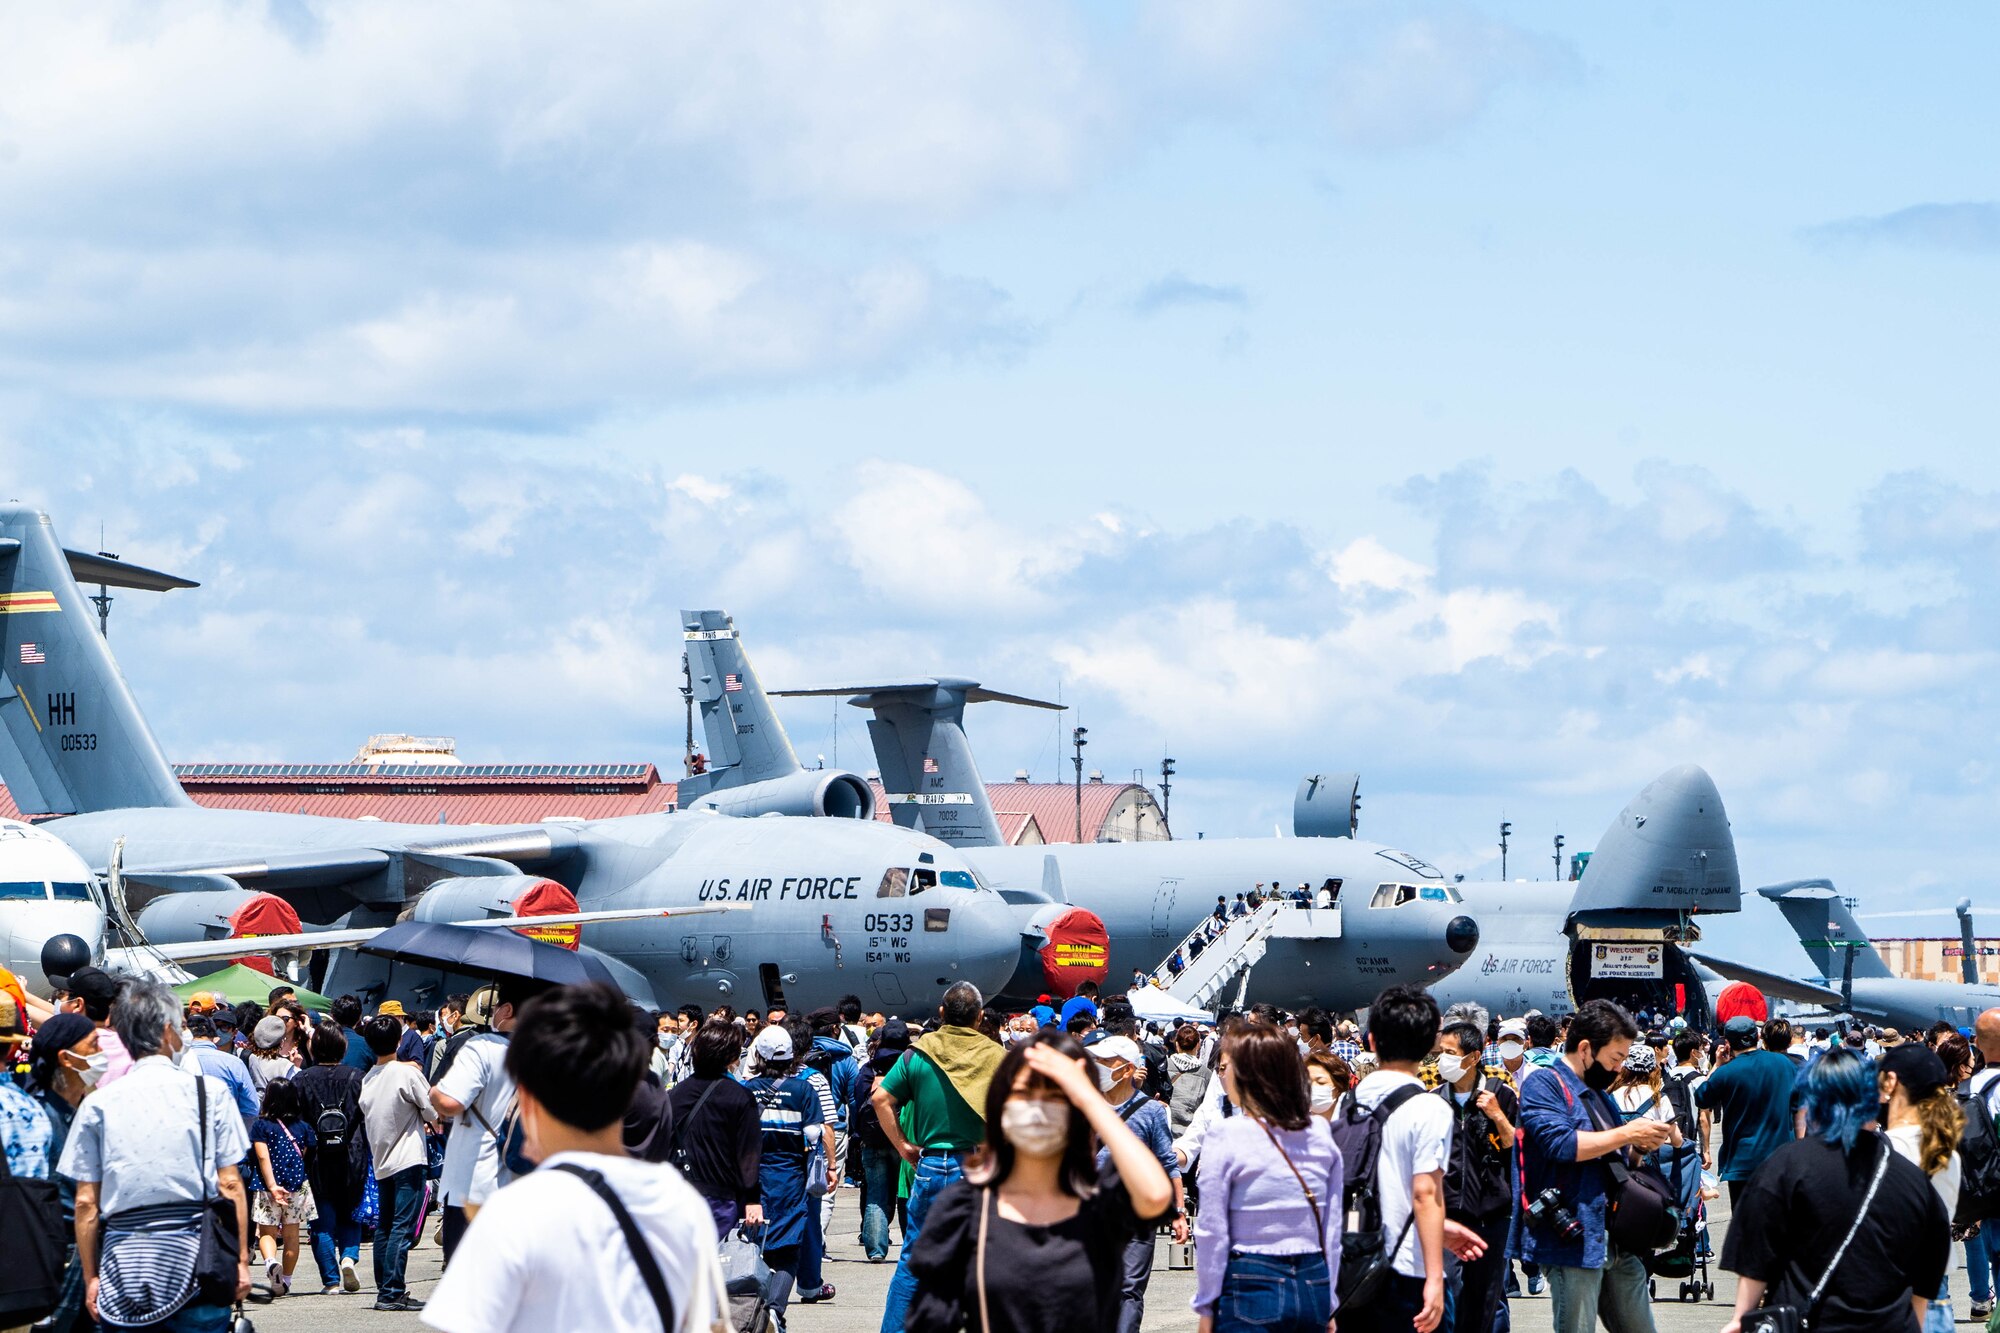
x=1267, y=1239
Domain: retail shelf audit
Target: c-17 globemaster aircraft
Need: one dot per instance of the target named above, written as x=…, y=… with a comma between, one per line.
x=1618, y=932
x=1396, y=919
x=827, y=906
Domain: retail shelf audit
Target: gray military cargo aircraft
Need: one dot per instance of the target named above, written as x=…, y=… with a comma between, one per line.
x=1619, y=932
x=1854, y=979
x=829, y=905
x=1389, y=916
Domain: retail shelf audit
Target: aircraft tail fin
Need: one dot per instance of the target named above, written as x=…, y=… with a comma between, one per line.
x=745, y=741
x=79, y=741
x=926, y=762
x=1670, y=850
x=1826, y=928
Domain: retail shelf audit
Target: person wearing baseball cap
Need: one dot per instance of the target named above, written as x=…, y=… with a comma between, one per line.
x=1753, y=1092
x=1121, y=1068
x=203, y=1002
x=793, y=1129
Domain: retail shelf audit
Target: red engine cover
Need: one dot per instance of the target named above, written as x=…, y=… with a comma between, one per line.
x=266, y=914
x=545, y=897
x=1740, y=997
x=1078, y=950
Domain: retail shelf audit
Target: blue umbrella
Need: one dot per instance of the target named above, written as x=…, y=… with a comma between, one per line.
x=487, y=952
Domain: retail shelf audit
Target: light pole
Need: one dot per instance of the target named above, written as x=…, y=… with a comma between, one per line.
x=1505, y=829
x=1077, y=739
x=1167, y=792
x=1559, y=856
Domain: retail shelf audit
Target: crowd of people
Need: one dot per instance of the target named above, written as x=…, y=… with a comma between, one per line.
x=584, y=1165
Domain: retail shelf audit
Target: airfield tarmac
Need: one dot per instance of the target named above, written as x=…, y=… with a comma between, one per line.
x=864, y=1286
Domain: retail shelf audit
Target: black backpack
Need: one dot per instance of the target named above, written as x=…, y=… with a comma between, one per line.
x=1367, y=1253
x=1979, y=1158
x=1680, y=1096
x=861, y=1119
x=31, y=1220
x=1477, y=1179
x=331, y=1127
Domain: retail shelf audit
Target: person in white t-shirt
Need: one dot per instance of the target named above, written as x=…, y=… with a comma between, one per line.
x=551, y=1250
x=476, y=1094
x=1409, y=1175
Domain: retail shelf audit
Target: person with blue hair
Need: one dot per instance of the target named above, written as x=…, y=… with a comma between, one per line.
x=1837, y=1225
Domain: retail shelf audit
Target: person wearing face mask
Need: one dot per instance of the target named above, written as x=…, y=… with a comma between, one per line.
x=1120, y=1065
x=1329, y=1078
x=1752, y=1093
x=1479, y=1179
x=1268, y=1255
x=65, y=1067
x=1033, y=1238
x=592, y=1239
x=1569, y=1127
x=1513, y=1048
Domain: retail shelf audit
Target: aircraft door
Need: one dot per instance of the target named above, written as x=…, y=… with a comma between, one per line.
x=1163, y=908
x=774, y=986
x=890, y=989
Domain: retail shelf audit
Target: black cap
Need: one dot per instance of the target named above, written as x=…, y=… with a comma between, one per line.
x=97, y=989
x=892, y=1041
x=1741, y=1032
x=1916, y=1067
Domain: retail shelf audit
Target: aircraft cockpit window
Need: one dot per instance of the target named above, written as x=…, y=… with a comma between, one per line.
x=957, y=879
x=71, y=892
x=923, y=878
x=1393, y=895
x=895, y=883
x=27, y=888
x=1441, y=893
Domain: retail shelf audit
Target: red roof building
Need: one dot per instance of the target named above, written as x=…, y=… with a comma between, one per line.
x=1029, y=812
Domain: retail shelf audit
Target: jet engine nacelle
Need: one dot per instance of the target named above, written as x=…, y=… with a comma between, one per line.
x=1328, y=805
x=484, y=897
x=216, y=914
x=830, y=793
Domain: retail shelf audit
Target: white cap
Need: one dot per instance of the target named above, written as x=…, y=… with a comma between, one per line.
x=1514, y=1027
x=772, y=1045
x=1117, y=1048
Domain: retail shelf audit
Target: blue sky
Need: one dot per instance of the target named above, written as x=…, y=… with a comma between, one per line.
x=1507, y=402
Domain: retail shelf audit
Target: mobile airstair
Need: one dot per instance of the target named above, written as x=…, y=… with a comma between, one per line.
x=1217, y=954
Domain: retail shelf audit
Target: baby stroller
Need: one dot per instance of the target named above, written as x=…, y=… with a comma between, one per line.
x=1687, y=1259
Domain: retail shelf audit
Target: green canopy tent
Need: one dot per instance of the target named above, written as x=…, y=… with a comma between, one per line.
x=238, y=984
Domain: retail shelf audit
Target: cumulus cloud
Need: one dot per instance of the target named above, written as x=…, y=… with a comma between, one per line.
x=1970, y=227
x=1424, y=78
x=1176, y=289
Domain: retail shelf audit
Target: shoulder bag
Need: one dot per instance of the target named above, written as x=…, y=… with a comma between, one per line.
x=1642, y=1213
x=31, y=1220
x=1793, y=1319
x=684, y=1161
x=986, y=1206
x=220, y=1255
x=635, y=1241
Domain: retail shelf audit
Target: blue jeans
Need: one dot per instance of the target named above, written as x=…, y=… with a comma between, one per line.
x=335, y=1236
x=402, y=1194
x=878, y=1188
x=1616, y=1293
x=934, y=1172
x=1937, y=1319
x=812, y=1252
x=1979, y=1254
x=1277, y=1293
x=190, y=1318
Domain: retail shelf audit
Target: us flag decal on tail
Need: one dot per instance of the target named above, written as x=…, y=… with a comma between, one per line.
x=30, y=654
x=731, y=683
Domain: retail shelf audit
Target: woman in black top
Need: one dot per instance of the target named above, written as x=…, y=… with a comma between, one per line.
x=1031, y=1240
x=1800, y=1205
x=714, y=1136
x=339, y=1169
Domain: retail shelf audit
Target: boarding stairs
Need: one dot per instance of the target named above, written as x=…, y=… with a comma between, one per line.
x=1227, y=952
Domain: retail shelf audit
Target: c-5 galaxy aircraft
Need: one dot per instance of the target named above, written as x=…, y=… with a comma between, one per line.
x=1618, y=932
x=1396, y=918
x=815, y=892
x=1857, y=980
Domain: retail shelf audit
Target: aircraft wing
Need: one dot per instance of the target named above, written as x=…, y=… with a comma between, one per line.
x=974, y=693
x=1773, y=983
x=209, y=951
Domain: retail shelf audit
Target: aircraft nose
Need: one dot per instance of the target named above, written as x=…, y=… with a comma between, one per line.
x=1462, y=935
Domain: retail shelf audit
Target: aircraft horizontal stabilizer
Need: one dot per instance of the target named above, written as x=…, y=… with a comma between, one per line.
x=1773, y=983
x=208, y=951
x=973, y=692
x=111, y=572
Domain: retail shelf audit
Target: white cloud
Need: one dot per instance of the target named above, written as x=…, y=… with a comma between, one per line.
x=1427, y=77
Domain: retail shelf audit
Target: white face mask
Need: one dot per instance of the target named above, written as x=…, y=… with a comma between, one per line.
x=1322, y=1098
x=1511, y=1049
x=1451, y=1068
x=1036, y=1127
x=1107, y=1078
x=94, y=1065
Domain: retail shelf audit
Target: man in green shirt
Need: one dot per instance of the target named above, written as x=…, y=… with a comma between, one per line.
x=943, y=1081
